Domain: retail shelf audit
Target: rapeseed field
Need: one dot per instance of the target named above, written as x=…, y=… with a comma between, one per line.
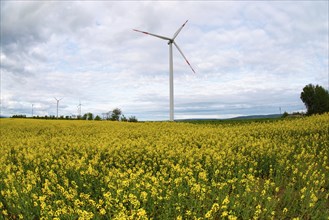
x=160, y=170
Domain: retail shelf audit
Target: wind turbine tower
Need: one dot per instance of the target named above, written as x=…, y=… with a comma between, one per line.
x=57, y=100
x=171, y=41
x=79, y=109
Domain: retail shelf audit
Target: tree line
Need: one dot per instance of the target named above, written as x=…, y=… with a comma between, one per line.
x=114, y=115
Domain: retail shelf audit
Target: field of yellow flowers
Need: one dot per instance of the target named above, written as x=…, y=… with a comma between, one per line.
x=160, y=170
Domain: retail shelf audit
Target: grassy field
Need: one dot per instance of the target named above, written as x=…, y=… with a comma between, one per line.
x=276, y=169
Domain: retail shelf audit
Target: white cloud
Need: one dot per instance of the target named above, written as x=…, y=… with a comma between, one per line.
x=250, y=57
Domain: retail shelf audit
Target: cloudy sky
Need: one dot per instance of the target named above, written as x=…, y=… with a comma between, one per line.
x=250, y=57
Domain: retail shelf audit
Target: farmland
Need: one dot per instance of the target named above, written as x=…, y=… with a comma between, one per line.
x=160, y=170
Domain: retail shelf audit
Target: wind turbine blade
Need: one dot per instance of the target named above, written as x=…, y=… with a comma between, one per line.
x=184, y=56
x=154, y=35
x=177, y=32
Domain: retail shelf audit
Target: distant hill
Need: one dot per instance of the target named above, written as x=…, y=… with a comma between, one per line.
x=257, y=116
x=270, y=116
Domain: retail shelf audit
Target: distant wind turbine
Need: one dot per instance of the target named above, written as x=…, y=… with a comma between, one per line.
x=171, y=41
x=57, y=104
x=79, y=109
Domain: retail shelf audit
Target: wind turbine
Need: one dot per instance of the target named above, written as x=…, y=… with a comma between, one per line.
x=57, y=105
x=79, y=109
x=171, y=41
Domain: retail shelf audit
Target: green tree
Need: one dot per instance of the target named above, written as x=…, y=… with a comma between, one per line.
x=132, y=119
x=123, y=118
x=97, y=118
x=88, y=116
x=315, y=98
x=116, y=114
x=285, y=114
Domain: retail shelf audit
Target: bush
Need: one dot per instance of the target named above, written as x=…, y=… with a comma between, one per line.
x=132, y=119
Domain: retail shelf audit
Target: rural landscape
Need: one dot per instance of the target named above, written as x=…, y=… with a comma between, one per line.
x=97, y=123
